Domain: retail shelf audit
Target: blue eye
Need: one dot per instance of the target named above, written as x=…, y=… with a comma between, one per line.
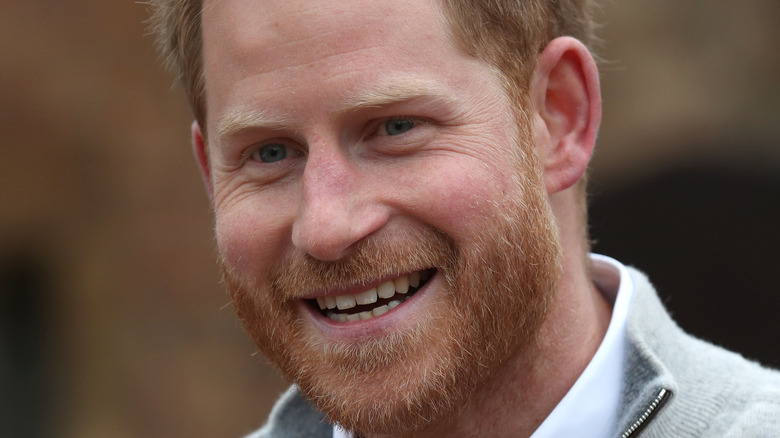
x=272, y=153
x=398, y=126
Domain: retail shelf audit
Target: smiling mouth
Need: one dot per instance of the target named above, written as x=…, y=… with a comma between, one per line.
x=373, y=302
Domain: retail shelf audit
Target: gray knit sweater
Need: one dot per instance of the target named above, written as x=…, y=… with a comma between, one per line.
x=676, y=386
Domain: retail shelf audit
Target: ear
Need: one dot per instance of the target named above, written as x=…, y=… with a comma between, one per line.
x=567, y=111
x=202, y=157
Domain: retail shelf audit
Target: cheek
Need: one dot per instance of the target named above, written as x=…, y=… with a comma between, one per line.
x=461, y=199
x=250, y=238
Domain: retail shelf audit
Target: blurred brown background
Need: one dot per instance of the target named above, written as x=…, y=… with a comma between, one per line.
x=112, y=323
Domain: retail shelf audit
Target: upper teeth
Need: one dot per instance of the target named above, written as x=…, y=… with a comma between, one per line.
x=387, y=289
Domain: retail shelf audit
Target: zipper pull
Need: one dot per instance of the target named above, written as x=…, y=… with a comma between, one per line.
x=651, y=410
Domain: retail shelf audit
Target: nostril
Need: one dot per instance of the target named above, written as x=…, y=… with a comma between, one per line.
x=329, y=233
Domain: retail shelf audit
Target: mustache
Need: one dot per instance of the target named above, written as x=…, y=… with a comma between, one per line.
x=298, y=274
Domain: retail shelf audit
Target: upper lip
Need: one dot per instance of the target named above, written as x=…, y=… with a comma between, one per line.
x=358, y=287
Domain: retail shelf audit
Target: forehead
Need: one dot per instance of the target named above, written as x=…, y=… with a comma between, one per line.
x=285, y=43
x=266, y=35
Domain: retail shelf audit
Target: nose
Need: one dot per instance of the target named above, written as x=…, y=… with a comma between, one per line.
x=338, y=206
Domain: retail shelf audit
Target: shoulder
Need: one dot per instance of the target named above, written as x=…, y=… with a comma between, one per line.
x=760, y=420
x=294, y=417
x=752, y=407
x=715, y=392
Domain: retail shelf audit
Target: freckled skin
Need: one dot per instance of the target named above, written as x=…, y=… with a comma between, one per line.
x=291, y=75
x=464, y=179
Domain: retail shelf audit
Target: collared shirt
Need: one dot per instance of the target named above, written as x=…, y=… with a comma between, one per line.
x=590, y=408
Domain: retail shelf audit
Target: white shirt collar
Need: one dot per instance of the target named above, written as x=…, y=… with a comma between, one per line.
x=590, y=408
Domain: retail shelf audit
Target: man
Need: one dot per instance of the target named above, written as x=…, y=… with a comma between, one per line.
x=400, y=215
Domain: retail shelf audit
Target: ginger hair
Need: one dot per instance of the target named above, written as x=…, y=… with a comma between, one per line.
x=507, y=34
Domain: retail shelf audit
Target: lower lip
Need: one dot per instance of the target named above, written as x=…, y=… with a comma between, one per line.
x=397, y=318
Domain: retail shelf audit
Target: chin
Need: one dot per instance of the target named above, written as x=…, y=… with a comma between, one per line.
x=482, y=308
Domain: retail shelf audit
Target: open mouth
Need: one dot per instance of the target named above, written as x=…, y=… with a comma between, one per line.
x=373, y=302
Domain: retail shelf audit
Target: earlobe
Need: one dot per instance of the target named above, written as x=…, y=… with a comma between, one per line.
x=202, y=157
x=567, y=102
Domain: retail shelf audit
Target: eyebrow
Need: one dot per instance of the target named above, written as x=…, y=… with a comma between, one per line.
x=237, y=122
x=395, y=92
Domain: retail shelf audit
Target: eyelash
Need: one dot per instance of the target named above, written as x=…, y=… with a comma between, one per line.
x=250, y=153
x=292, y=151
x=381, y=124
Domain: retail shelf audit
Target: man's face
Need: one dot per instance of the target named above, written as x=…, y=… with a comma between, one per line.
x=358, y=156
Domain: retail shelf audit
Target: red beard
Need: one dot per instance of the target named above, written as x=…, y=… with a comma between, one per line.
x=498, y=289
